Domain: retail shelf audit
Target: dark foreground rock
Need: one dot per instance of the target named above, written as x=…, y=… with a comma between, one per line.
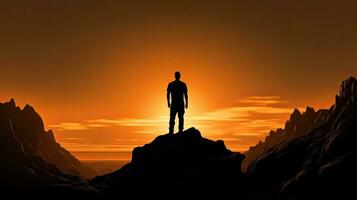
x=184, y=163
x=320, y=164
x=32, y=163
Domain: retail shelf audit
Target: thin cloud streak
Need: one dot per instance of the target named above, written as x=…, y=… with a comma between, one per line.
x=75, y=126
x=262, y=100
x=98, y=148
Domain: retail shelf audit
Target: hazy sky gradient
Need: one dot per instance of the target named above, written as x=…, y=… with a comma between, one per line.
x=80, y=61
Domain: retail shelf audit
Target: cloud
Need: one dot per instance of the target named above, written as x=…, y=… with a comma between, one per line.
x=262, y=123
x=73, y=146
x=70, y=126
x=75, y=139
x=239, y=113
x=263, y=97
x=262, y=100
x=142, y=122
x=104, y=121
x=247, y=134
x=129, y=122
x=97, y=125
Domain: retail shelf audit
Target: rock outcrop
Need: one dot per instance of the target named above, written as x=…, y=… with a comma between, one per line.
x=29, y=129
x=23, y=173
x=298, y=125
x=320, y=164
x=184, y=162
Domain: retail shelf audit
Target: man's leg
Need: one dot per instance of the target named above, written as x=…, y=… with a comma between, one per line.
x=181, y=120
x=172, y=120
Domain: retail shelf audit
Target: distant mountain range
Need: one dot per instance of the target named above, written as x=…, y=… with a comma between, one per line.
x=313, y=156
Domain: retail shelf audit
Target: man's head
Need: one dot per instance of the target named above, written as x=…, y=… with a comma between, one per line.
x=177, y=75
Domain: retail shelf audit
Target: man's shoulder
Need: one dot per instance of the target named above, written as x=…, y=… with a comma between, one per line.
x=181, y=82
x=171, y=84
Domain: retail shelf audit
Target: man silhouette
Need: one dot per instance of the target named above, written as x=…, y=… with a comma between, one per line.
x=178, y=91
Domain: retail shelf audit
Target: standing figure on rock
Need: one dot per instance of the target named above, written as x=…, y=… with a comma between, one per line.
x=179, y=101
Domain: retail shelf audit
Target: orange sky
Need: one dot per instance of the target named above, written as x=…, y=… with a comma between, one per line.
x=97, y=71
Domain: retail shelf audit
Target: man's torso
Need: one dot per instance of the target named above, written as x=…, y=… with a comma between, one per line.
x=177, y=89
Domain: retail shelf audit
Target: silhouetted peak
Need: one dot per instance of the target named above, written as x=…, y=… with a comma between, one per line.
x=33, y=119
x=50, y=136
x=295, y=115
x=28, y=108
x=309, y=110
x=8, y=107
x=348, y=89
x=12, y=103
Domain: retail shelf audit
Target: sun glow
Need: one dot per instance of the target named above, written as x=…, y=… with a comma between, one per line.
x=240, y=126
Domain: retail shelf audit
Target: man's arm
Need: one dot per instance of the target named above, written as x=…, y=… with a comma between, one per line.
x=168, y=98
x=186, y=97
